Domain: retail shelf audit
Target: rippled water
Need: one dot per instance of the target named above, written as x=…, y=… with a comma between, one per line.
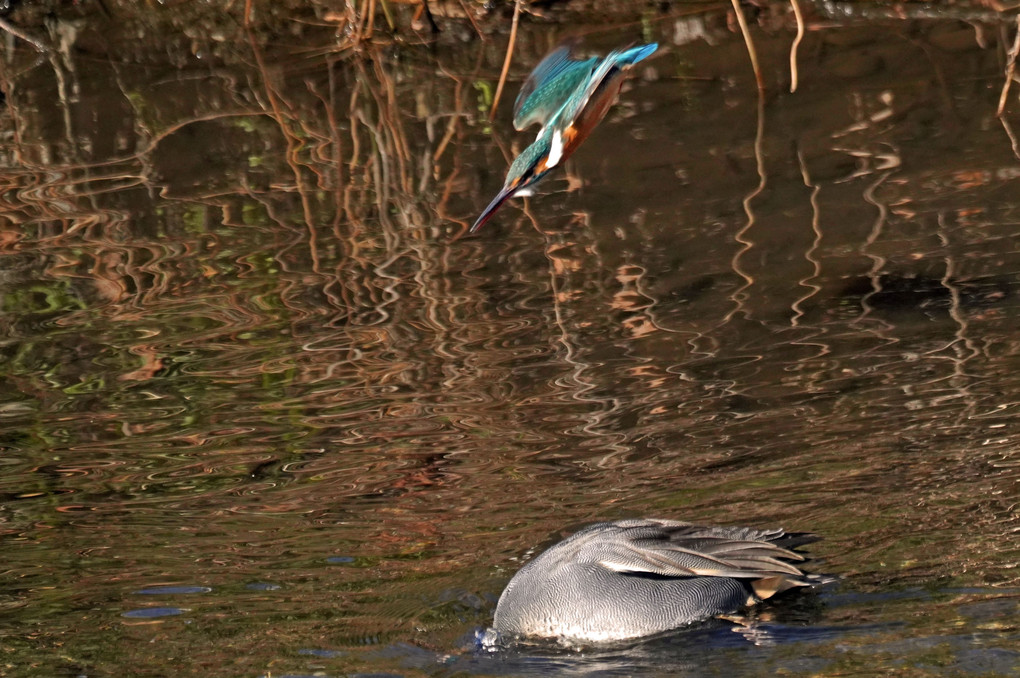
x=267, y=412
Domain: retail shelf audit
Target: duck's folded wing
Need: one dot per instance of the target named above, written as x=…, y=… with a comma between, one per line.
x=742, y=560
x=673, y=549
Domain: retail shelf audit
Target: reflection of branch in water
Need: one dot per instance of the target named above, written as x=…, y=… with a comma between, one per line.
x=1013, y=143
x=380, y=264
x=739, y=295
x=582, y=388
x=866, y=121
x=335, y=161
x=61, y=60
x=643, y=317
x=816, y=265
x=454, y=127
x=877, y=261
x=292, y=148
x=18, y=33
x=959, y=380
x=1010, y=70
x=389, y=116
x=386, y=164
x=813, y=382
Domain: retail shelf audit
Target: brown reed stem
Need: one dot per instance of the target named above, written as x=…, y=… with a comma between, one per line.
x=18, y=33
x=746, y=32
x=1010, y=70
x=796, y=43
x=471, y=17
x=508, y=59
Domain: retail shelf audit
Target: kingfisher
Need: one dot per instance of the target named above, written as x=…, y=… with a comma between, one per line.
x=568, y=97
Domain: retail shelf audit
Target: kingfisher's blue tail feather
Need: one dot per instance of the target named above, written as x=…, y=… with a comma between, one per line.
x=633, y=55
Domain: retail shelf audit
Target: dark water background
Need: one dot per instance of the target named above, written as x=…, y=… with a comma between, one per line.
x=265, y=413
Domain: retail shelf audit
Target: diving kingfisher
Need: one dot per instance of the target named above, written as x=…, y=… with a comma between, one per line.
x=567, y=97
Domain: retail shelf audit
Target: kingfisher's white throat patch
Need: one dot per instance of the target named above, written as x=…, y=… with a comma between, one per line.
x=556, y=150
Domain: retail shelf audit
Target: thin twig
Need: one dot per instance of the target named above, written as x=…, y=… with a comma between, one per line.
x=389, y=17
x=361, y=18
x=796, y=43
x=742, y=20
x=1010, y=70
x=18, y=33
x=471, y=17
x=508, y=59
x=1012, y=137
x=370, y=28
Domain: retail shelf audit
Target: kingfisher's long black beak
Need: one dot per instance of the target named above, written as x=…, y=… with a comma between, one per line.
x=493, y=206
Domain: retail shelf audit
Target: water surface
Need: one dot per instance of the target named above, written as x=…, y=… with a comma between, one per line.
x=268, y=413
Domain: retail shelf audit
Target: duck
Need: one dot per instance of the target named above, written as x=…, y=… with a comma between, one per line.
x=625, y=579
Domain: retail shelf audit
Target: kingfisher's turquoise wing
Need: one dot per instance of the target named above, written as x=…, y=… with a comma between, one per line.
x=549, y=86
x=589, y=103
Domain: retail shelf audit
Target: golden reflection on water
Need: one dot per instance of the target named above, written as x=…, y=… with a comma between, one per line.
x=247, y=352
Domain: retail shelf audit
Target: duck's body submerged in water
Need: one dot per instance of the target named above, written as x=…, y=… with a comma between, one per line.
x=630, y=578
x=567, y=97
